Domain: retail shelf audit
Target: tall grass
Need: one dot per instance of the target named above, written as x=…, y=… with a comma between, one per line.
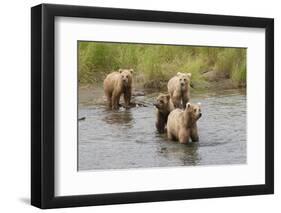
x=159, y=62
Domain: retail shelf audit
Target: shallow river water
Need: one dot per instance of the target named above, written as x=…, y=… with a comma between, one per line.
x=126, y=139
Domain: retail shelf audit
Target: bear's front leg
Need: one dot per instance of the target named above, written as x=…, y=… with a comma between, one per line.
x=184, y=135
x=176, y=101
x=160, y=123
x=169, y=134
x=194, y=133
x=127, y=97
x=185, y=100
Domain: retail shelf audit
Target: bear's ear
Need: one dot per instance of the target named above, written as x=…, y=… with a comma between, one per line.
x=189, y=75
x=120, y=70
x=179, y=73
x=188, y=105
x=131, y=71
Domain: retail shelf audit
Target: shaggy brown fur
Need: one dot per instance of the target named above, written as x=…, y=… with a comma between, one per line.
x=178, y=88
x=117, y=83
x=164, y=107
x=182, y=125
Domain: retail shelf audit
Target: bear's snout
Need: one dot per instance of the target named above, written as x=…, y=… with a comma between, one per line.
x=200, y=114
x=156, y=105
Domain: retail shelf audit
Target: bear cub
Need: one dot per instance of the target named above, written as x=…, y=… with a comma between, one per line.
x=117, y=83
x=164, y=106
x=182, y=125
x=178, y=88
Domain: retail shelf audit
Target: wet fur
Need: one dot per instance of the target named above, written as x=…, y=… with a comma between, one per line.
x=116, y=84
x=164, y=106
x=178, y=88
x=182, y=125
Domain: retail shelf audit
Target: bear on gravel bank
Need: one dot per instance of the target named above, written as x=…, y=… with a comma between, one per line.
x=164, y=107
x=182, y=125
x=117, y=83
x=178, y=88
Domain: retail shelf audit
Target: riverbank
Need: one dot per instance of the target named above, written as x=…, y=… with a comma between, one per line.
x=93, y=94
x=210, y=80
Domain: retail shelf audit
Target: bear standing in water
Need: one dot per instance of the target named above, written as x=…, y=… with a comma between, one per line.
x=178, y=88
x=164, y=107
x=117, y=83
x=182, y=125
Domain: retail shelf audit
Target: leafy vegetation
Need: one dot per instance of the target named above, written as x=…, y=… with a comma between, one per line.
x=160, y=62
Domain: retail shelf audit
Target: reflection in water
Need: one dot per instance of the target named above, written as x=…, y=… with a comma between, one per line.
x=118, y=117
x=187, y=154
x=126, y=139
x=191, y=155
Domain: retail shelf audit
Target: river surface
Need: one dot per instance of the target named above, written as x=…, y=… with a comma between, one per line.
x=127, y=139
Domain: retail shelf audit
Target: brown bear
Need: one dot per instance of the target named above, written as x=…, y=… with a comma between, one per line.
x=182, y=125
x=164, y=106
x=117, y=83
x=178, y=88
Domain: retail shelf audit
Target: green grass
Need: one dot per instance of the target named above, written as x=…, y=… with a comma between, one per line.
x=159, y=62
x=232, y=62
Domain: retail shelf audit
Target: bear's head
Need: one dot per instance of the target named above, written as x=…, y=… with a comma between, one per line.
x=194, y=112
x=126, y=76
x=184, y=80
x=163, y=103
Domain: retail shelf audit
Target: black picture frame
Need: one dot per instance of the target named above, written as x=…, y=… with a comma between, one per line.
x=43, y=105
